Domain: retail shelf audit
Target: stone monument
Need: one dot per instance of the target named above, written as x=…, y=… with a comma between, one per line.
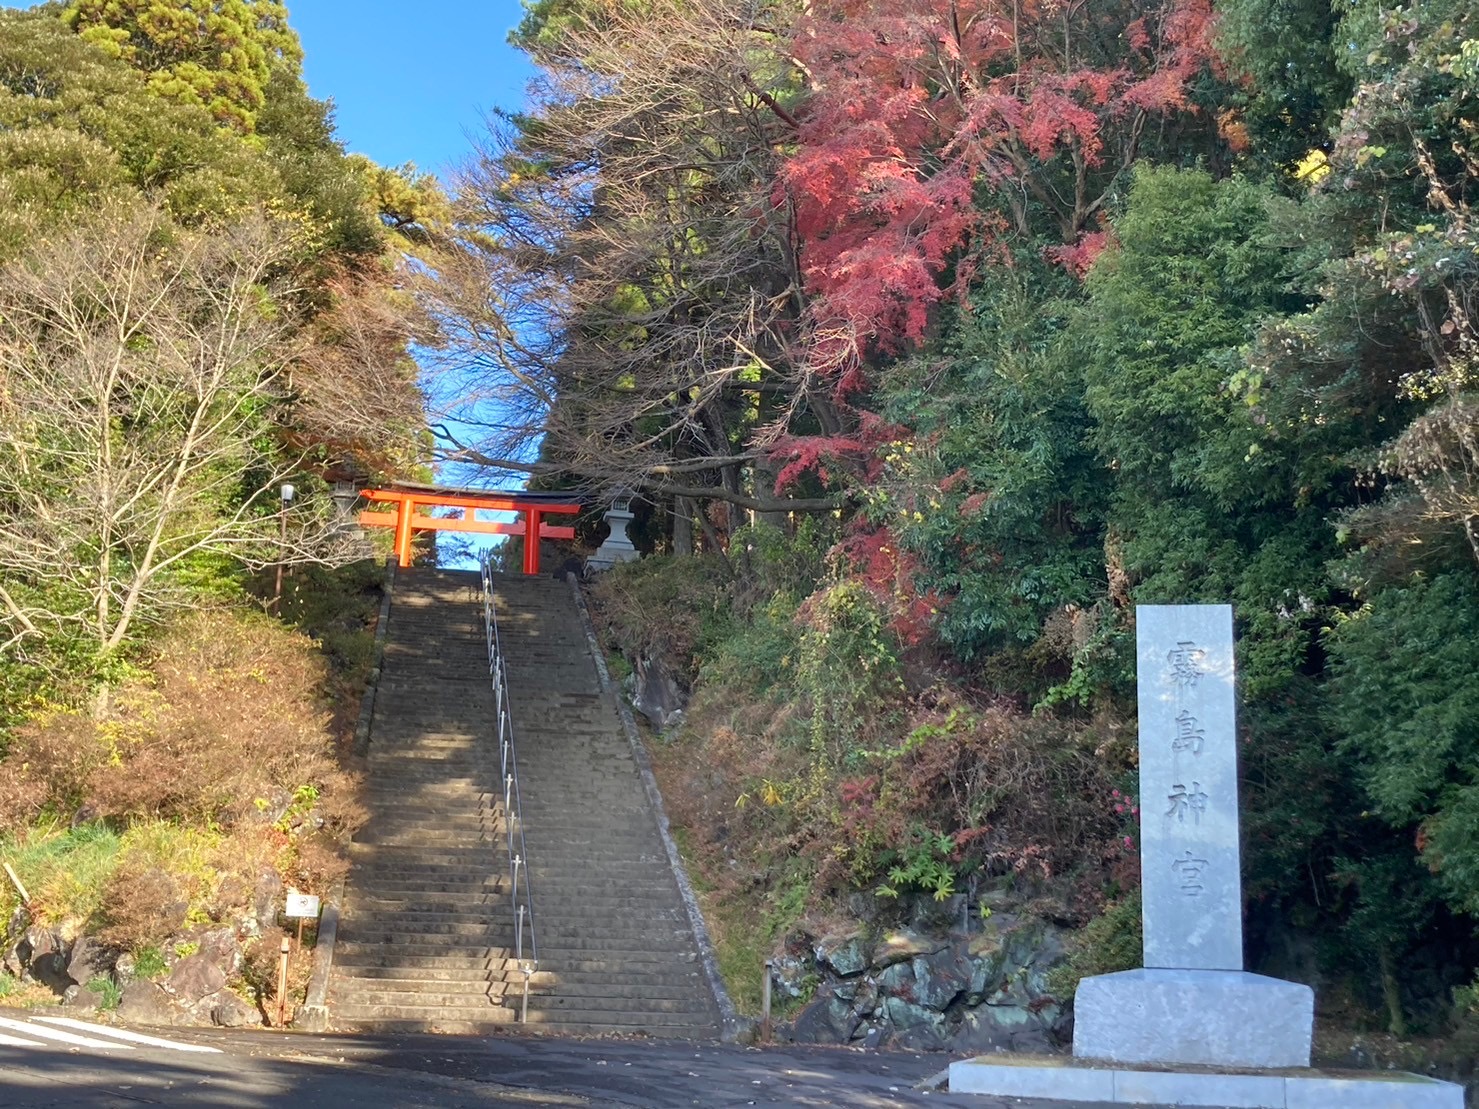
x=1192, y=1002
x=1191, y=1027
x=618, y=547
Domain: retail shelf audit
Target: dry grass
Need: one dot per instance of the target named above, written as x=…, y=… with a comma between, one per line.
x=161, y=815
x=228, y=719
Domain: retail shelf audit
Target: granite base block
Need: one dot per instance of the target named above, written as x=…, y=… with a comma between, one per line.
x=1395, y=1090
x=1063, y=1079
x=1217, y=1018
x=1225, y=1091
x=1035, y=1076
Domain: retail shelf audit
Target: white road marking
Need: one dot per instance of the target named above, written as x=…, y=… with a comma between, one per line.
x=16, y=1041
x=131, y=1037
x=59, y=1036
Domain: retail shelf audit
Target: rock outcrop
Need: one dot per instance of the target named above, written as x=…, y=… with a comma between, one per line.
x=986, y=991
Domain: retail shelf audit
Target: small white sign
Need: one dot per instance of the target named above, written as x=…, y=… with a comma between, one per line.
x=301, y=905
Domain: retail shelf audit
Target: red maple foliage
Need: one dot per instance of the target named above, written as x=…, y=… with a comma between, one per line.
x=918, y=104
x=890, y=575
x=801, y=455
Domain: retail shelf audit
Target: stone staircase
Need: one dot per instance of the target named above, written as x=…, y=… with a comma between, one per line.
x=426, y=936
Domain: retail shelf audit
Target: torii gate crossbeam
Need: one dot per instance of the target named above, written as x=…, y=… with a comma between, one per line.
x=409, y=499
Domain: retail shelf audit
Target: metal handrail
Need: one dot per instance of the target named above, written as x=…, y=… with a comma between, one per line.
x=518, y=852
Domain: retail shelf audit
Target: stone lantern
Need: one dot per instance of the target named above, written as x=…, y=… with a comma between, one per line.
x=618, y=545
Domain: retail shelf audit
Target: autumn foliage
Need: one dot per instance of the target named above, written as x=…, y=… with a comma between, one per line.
x=917, y=108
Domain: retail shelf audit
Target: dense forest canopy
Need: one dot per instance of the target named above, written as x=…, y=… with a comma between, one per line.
x=200, y=304
x=1010, y=316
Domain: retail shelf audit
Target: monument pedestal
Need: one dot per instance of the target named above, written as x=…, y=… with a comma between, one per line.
x=1216, y=1018
x=1075, y=1081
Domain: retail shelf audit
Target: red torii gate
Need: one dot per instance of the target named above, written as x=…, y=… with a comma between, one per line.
x=531, y=507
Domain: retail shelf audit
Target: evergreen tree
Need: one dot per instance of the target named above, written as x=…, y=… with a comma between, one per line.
x=219, y=54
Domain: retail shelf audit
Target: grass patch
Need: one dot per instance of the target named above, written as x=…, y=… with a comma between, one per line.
x=149, y=962
x=65, y=870
x=740, y=947
x=107, y=989
x=24, y=995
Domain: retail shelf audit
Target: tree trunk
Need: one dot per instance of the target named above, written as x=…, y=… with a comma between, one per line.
x=683, y=525
x=1391, y=988
x=765, y=479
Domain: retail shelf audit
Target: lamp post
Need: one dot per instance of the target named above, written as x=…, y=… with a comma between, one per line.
x=285, y=495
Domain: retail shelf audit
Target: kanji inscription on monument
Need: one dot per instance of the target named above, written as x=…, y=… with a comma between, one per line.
x=1189, y=854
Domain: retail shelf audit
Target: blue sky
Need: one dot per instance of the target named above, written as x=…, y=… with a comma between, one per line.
x=411, y=81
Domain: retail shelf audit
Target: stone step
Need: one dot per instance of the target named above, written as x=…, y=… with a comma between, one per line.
x=605, y=983
x=472, y=939
x=411, y=921
x=459, y=877
x=355, y=995
x=392, y=897
x=662, y=1026
x=430, y=837
x=356, y=958
x=453, y=978
x=554, y=928
x=359, y=984
x=427, y=1018
x=536, y=816
x=350, y=952
x=509, y=994
x=596, y=871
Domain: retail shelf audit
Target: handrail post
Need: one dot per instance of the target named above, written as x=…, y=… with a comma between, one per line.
x=509, y=772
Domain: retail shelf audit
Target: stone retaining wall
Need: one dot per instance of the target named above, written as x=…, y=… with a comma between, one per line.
x=977, y=992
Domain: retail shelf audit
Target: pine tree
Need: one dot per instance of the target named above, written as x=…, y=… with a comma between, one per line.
x=219, y=55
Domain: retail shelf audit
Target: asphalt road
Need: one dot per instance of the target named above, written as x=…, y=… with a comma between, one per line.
x=252, y=1069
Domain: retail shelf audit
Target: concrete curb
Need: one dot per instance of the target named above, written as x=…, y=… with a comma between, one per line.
x=735, y=1027
x=382, y=627
x=314, y=1016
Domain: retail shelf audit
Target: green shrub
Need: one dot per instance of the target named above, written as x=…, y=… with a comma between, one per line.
x=759, y=658
x=107, y=989
x=1406, y=702
x=671, y=609
x=1111, y=942
x=149, y=962
x=848, y=669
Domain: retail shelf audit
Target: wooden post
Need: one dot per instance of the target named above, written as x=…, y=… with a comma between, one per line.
x=15, y=880
x=282, y=545
x=765, y=1002
x=282, y=981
